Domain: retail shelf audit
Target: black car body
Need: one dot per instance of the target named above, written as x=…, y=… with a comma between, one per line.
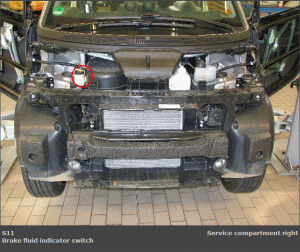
x=137, y=94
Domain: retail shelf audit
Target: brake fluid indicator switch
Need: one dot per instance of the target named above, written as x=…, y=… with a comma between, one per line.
x=80, y=77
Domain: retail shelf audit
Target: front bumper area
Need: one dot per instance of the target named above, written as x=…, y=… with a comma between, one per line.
x=85, y=146
x=46, y=141
x=92, y=150
x=145, y=178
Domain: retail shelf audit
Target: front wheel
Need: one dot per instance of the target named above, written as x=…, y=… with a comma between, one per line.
x=243, y=185
x=42, y=188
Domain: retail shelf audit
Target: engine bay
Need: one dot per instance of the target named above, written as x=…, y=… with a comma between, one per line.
x=144, y=71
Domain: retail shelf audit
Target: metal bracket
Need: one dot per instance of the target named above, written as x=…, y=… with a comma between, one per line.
x=8, y=42
x=282, y=121
x=285, y=159
x=46, y=79
x=7, y=127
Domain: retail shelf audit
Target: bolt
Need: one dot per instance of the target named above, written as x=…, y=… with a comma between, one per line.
x=257, y=97
x=235, y=125
x=259, y=154
x=56, y=126
x=33, y=97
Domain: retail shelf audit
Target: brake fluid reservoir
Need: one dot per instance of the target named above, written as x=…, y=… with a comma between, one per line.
x=180, y=80
x=80, y=77
x=204, y=73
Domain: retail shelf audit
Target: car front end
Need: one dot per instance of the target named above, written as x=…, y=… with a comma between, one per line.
x=143, y=94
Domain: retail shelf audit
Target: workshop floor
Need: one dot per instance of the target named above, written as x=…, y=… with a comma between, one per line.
x=275, y=203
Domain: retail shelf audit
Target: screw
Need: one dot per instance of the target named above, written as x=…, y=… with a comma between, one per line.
x=33, y=97
x=235, y=125
x=259, y=154
x=257, y=97
x=56, y=126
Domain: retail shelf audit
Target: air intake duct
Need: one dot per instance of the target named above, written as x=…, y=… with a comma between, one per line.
x=106, y=75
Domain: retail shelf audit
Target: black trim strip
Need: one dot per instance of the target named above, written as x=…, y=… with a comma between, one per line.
x=160, y=41
x=278, y=18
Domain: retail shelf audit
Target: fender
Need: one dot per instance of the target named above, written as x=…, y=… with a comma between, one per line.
x=41, y=142
x=251, y=139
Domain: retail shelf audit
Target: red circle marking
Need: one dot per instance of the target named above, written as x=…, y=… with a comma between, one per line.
x=74, y=81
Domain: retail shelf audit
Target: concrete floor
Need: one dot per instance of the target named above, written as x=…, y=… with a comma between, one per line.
x=275, y=203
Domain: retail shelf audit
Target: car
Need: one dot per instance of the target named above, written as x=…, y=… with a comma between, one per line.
x=146, y=94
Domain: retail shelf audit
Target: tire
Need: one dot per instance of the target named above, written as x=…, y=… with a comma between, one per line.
x=41, y=188
x=243, y=185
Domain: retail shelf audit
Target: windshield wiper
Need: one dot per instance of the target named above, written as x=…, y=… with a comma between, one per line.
x=146, y=20
x=149, y=17
x=137, y=23
x=216, y=24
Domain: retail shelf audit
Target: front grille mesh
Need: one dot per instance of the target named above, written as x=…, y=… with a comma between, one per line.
x=142, y=163
x=132, y=120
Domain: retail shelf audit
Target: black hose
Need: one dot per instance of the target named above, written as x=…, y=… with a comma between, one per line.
x=237, y=65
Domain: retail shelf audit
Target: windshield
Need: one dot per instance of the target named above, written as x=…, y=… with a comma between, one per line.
x=143, y=17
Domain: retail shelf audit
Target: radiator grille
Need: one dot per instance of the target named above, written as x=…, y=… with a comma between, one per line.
x=142, y=120
x=142, y=163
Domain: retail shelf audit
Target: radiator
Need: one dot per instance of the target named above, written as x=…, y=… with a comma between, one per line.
x=142, y=163
x=133, y=120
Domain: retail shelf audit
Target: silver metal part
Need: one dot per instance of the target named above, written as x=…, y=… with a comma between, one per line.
x=285, y=158
x=7, y=127
x=74, y=167
x=8, y=42
x=132, y=120
x=105, y=56
x=224, y=60
x=7, y=130
x=219, y=164
x=142, y=163
x=61, y=73
x=292, y=153
x=282, y=121
x=82, y=59
x=278, y=159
